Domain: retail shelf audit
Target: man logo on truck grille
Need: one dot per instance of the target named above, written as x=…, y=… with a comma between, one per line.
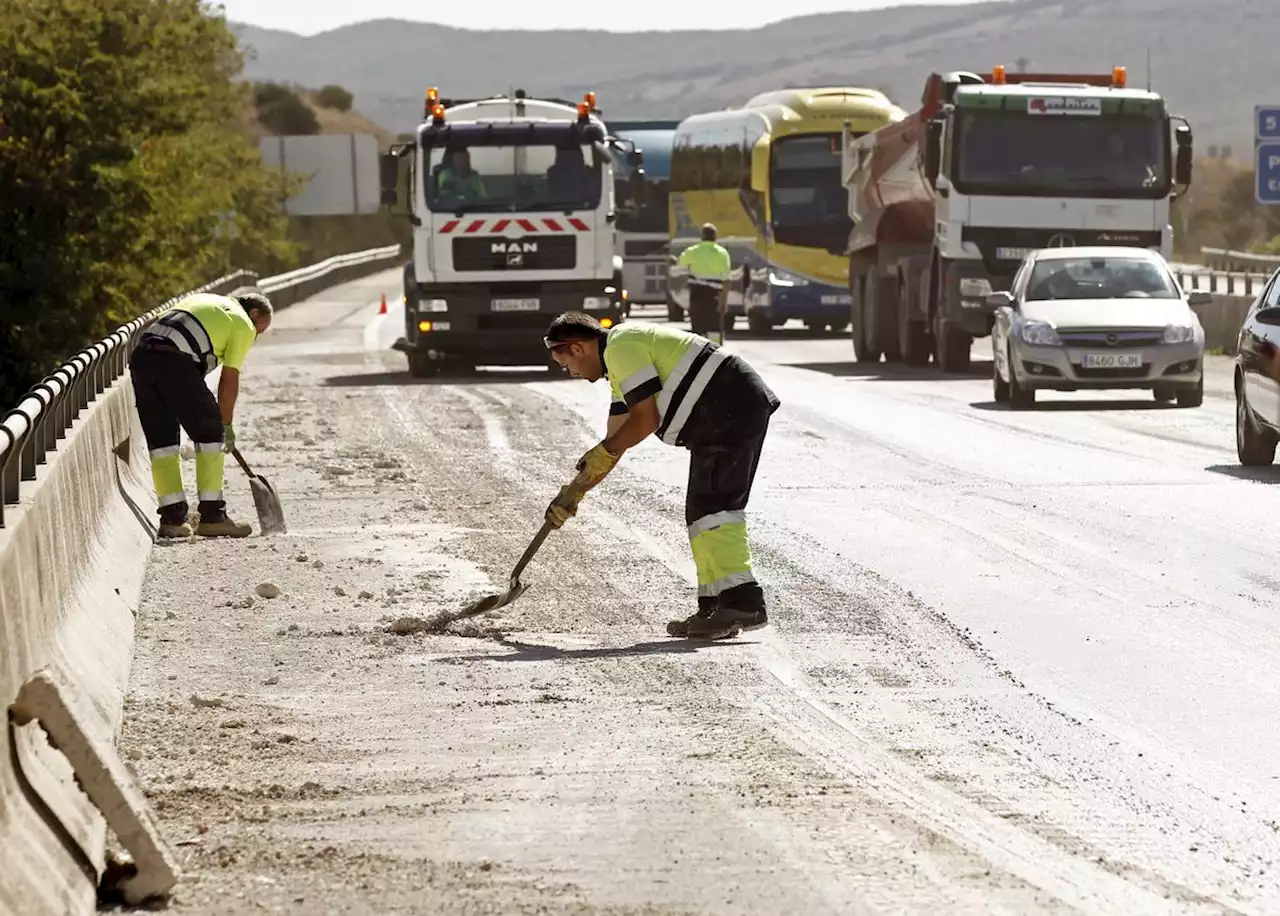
x=513, y=247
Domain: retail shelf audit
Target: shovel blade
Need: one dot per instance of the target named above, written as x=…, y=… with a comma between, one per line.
x=265, y=500
x=492, y=602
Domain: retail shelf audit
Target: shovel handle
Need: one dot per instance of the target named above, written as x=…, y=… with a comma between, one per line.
x=538, y=538
x=240, y=459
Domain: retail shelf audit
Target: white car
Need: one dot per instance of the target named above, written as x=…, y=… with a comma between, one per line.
x=1078, y=319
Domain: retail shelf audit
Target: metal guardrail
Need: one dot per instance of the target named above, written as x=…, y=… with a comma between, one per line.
x=47, y=411
x=1212, y=280
x=1239, y=261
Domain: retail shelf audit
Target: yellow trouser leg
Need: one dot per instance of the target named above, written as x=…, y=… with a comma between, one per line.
x=209, y=471
x=166, y=474
x=722, y=556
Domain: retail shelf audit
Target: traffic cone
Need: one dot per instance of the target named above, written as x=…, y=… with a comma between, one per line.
x=382, y=309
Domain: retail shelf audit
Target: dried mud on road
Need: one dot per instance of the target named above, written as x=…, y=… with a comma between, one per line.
x=316, y=752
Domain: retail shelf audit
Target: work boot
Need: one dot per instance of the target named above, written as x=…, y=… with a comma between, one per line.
x=739, y=609
x=695, y=625
x=170, y=530
x=222, y=526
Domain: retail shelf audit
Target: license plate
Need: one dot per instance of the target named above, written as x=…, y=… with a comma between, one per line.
x=515, y=305
x=837, y=299
x=1112, y=361
x=1012, y=254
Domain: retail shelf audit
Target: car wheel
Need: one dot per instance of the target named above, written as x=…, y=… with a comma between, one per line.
x=1019, y=398
x=1192, y=397
x=1255, y=447
x=999, y=387
x=1164, y=393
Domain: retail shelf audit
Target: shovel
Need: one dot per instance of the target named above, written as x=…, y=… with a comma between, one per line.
x=265, y=500
x=514, y=586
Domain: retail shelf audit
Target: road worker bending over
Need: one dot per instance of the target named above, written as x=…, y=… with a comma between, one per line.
x=168, y=369
x=695, y=395
x=710, y=269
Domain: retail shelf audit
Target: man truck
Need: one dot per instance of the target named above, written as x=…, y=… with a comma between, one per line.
x=514, y=207
x=947, y=201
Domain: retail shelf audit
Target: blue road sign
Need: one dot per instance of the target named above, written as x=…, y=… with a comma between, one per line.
x=1266, y=123
x=1267, y=166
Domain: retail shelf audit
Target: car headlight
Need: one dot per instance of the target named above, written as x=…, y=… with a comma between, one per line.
x=975, y=287
x=1040, y=334
x=1179, y=333
x=783, y=278
x=596, y=302
x=433, y=305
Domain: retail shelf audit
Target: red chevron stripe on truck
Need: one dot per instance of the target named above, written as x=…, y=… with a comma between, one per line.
x=470, y=227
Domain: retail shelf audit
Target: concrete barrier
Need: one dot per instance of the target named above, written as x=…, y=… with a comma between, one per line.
x=1222, y=321
x=77, y=522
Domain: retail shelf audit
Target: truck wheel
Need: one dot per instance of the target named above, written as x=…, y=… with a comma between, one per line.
x=913, y=338
x=421, y=366
x=863, y=302
x=951, y=348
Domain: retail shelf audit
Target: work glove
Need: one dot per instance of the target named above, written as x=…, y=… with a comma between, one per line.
x=594, y=467
x=564, y=506
x=228, y=437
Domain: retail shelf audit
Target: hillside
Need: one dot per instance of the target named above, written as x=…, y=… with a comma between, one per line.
x=1213, y=62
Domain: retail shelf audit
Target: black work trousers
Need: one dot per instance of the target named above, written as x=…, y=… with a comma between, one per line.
x=170, y=392
x=704, y=312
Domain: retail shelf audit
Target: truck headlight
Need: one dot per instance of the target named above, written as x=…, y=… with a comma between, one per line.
x=596, y=302
x=1040, y=334
x=1179, y=333
x=784, y=278
x=433, y=305
x=975, y=287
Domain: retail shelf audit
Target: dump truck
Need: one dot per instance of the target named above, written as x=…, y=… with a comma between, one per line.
x=513, y=205
x=948, y=201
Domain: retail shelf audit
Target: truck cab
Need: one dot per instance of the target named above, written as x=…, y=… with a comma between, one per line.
x=514, y=207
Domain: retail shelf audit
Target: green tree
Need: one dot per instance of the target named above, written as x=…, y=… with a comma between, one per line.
x=282, y=111
x=335, y=97
x=123, y=174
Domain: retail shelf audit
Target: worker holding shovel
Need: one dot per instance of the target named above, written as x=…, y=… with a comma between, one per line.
x=168, y=369
x=692, y=394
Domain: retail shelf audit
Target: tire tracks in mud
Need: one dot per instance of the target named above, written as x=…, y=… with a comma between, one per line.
x=964, y=820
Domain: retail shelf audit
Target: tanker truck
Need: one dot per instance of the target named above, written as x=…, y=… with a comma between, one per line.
x=948, y=201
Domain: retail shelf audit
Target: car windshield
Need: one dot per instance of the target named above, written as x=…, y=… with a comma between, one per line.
x=810, y=205
x=1016, y=153
x=1099, y=278
x=488, y=179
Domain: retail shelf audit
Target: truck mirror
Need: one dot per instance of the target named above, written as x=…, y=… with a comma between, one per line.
x=389, y=168
x=638, y=187
x=933, y=151
x=1182, y=159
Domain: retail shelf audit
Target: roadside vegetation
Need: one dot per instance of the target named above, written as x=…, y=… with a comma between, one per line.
x=129, y=170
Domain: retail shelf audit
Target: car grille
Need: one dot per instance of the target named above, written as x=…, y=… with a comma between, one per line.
x=541, y=252
x=1109, y=340
x=1083, y=373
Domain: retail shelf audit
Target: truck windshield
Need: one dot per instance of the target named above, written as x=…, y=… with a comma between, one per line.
x=809, y=202
x=1099, y=278
x=1013, y=153
x=490, y=179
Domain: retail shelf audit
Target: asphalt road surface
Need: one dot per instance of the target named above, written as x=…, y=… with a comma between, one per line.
x=1018, y=662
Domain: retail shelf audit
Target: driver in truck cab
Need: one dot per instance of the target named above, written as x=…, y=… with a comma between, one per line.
x=456, y=178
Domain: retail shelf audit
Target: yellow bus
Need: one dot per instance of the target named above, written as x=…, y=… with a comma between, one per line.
x=768, y=175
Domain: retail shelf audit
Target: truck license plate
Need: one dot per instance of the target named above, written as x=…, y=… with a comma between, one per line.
x=515, y=305
x=1112, y=361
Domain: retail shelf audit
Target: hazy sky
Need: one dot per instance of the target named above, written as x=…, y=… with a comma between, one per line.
x=307, y=17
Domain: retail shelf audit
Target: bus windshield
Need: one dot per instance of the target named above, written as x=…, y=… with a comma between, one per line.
x=809, y=202
x=1012, y=153
x=488, y=179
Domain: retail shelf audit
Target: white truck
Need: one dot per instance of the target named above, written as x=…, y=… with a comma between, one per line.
x=513, y=206
x=947, y=202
